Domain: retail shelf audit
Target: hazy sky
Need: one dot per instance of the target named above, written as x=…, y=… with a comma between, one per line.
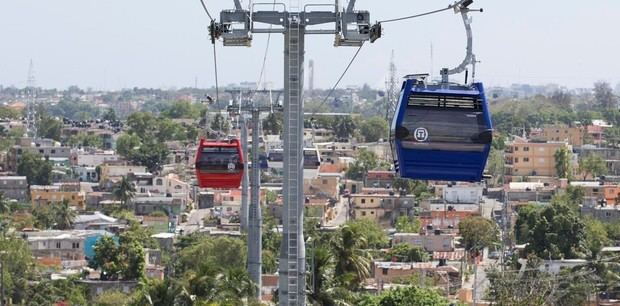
x=112, y=44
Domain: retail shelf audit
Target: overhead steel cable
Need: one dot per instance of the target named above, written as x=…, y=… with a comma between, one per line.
x=339, y=79
x=217, y=86
x=451, y=6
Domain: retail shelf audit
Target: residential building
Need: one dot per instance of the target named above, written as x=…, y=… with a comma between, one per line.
x=525, y=158
x=610, y=192
x=463, y=193
x=73, y=245
x=169, y=205
x=97, y=287
x=379, y=179
x=45, y=195
x=610, y=155
x=446, y=277
x=435, y=241
x=573, y=135
x=86, y=174
x=49, y=152
x=93, y=158
x=382, y=208
x=323, y=187
x=14, y=187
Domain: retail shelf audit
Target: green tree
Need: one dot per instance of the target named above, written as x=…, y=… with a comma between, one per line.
x=555, y=231
x=407, y=224
x=343, y=127
x=44, y=217
x=37, y=170
x=562, y=163
x=18, y=265
x=373, y=234
x=124, y=191
x=404, y=252
x=5, y=206
x=478, y=233
x=410, y=296
x=143, y=124
x=373, y=129
x=273, y=123
x=107, y=258
x=595, y=237
x=64, y=215
x=109, y=115
x=366, y=160
x=151, y=154
x=48, y=292
x=604, y=96
x=592, y=165
x=181, y=109
x=48, y=127
x=352, y=260
x=127, y=143
x=111, y=298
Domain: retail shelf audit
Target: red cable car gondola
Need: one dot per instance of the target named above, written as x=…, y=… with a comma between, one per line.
x=219, y=164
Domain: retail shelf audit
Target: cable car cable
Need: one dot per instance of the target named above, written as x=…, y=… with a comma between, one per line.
x=463, y=3
x=417, y=15
x=339, y=79
x=217, y=87
x=204, y=6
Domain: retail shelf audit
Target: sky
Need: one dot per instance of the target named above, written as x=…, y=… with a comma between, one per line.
x=113, y=44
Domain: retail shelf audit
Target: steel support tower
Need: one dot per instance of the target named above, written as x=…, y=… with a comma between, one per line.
x=351, y=28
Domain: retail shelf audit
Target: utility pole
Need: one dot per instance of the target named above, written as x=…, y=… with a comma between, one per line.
x=351, y=28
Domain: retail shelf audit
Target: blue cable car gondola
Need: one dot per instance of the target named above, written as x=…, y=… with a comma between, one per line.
x=441, y=131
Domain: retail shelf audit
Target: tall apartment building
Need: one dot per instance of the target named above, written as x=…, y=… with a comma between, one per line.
x=574, y=136
x=530, y=158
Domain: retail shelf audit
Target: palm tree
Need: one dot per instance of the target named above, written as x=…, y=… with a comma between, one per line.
x=64, y=215
x=124, y=191
x=352, y=264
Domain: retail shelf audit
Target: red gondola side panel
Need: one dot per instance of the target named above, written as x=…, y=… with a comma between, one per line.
x=219, y=164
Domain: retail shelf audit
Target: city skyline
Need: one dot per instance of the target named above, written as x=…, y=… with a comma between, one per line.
x=98, y=45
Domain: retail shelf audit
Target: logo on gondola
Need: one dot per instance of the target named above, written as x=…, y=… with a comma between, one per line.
x=420, y=134
x=231, y=166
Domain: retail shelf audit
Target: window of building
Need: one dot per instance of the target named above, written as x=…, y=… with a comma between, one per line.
x=526, y=159
x=363, y=201
x=363, y=213
x=324, y=182
x=516, y=160
x=384, y=271
x=526, y=149
x=594, y=189
x=372, y=200
x=516, y=148
x=159, y=182
x=53, y=151
x=58, y=245
x=372, y=212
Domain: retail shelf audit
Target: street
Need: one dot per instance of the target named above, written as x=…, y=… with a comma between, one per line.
x=342, y=211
